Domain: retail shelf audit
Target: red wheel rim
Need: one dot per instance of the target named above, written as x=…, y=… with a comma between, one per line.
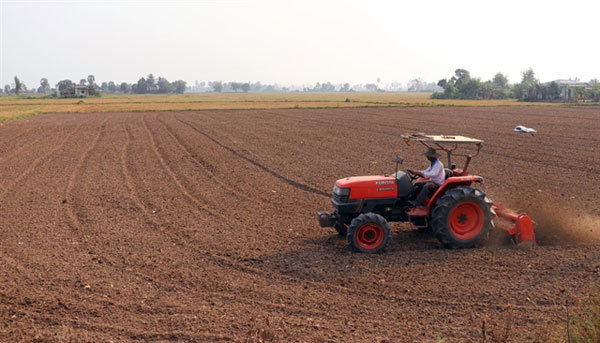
x=369, y=236
x=466, y=220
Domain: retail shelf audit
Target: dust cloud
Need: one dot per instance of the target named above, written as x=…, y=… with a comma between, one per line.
x=559, y=225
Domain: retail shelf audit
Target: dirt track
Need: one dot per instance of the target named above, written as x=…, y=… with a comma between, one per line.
x=199, y=226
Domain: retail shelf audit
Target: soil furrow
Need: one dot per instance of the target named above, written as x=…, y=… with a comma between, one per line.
x=200, y=205
x=72, y=178
x=34, y=164
x=204, y=165
x=293, y=183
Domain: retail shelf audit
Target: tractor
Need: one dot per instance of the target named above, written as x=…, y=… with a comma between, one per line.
x=459, y=214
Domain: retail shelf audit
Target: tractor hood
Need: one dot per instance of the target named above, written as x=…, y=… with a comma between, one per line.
x=373, y=186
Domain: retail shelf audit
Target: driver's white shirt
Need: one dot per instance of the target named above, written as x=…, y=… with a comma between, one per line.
x=435, y=172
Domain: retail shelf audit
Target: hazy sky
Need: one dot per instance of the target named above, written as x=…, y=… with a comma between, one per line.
x=296, y=42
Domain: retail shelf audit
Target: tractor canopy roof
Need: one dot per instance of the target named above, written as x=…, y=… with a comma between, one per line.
x=450, y=144
x=419, y=137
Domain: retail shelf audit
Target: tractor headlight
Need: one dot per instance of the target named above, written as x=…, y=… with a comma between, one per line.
x=341, y=191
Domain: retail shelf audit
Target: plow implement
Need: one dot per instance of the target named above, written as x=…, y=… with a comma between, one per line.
x=517, y=224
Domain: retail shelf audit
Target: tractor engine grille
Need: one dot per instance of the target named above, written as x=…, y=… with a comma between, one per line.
x=340, y=195
x=340, y=198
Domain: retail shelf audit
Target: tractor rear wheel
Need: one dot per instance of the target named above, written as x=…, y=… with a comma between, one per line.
x=462, y=218
x=368, y=233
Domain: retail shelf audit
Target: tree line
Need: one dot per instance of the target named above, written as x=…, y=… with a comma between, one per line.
x=413, y=85
x=66, y=88
x=462, y=86
x=152, y=85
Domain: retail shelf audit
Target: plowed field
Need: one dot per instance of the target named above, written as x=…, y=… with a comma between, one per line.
x=201, y=226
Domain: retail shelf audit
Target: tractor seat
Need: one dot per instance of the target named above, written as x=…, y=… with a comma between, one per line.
x=448, y=173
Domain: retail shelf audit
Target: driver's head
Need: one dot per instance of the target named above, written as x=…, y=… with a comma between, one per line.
x=431, y=154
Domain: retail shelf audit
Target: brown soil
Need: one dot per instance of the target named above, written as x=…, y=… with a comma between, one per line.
x=201, y=226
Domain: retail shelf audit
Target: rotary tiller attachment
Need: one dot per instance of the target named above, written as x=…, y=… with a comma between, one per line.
x=518, y=224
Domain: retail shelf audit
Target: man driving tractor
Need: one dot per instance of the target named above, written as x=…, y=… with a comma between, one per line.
x=459, y=214
x=436, y=174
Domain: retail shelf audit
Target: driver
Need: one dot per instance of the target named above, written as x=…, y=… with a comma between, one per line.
x=435, y=173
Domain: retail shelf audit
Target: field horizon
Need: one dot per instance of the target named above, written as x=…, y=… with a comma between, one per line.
x=14, y=107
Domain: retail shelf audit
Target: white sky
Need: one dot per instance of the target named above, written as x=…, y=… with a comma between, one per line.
x=296, y=42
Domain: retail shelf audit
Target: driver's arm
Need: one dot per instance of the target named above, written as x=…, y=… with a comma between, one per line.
x=434, y=170
x=415, y=172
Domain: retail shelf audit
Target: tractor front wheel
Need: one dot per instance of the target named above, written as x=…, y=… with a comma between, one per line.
x=368, y=233
x=462, y=218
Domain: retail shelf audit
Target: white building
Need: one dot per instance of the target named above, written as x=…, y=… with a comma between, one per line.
x=81, y=91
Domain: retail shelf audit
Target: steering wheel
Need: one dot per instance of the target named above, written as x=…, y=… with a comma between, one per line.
x=411, y=174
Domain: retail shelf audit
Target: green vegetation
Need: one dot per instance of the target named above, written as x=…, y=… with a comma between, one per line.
x=584, y=326
x=151, y=86
x=463, y=86
x=19, y=86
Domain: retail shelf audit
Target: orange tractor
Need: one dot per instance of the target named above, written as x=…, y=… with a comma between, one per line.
x=459, y=214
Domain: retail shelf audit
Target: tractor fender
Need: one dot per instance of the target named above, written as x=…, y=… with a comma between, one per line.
x=452, y=182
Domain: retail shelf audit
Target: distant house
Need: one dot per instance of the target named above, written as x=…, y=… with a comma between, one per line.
x=568, y=87
x=81, y=90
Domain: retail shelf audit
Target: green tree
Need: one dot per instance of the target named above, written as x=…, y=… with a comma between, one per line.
x=500, y=80
x=218, y=86
x=66, y=88
x=82, y=82
x=18, y=85
x=345, y=87
x=92, y=90
x=150, y=84
x=371, y=87
x=486, y=90
x=462, y=76
x=530, y=86
x=553, y=90
x=164, y=86
x=462, y=86
x=468, y=88
x=327, y=87
x=528, y=76
x=125, y=87
x=141, y=87
x=112, y=87
x=235, y=86
x=7, y=89
x=246, y=87
x=178, y=86
x=580, y=92
x=91, y=79
x=44, y=86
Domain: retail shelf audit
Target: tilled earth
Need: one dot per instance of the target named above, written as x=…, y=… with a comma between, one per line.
x=201, y=226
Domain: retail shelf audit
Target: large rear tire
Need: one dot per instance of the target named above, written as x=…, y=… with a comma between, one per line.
x=462, y=218
x=368, y=233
